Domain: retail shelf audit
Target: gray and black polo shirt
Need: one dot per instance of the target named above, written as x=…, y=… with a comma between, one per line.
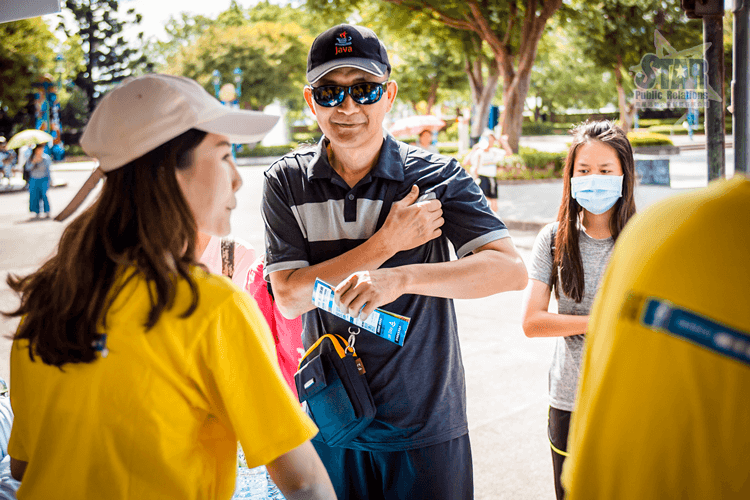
x=312, y=215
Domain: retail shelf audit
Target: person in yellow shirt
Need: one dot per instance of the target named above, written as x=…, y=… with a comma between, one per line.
x=134, y=371
x=661, y=410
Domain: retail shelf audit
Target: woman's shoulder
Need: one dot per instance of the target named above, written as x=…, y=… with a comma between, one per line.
x=549, y=230
x=212, y=286
x=216, y=294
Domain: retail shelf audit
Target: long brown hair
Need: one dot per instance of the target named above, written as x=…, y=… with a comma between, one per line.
x=567, y=256
x=140, y=222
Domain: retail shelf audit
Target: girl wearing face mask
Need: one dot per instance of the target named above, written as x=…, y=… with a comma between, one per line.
x=570, y=255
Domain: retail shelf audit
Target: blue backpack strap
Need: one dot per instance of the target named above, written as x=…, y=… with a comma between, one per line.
x=390, y=190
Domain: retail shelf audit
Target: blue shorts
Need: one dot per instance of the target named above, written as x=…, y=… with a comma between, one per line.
x=439, y=472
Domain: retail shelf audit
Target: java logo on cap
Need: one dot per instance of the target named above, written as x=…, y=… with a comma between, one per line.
x=343, y=43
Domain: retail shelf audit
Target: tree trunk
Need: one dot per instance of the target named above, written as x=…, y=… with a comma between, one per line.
x=514, y=98
x=627, y=111
x=482, y=92
x=501, y=41
x=433, y=96
x=482, y=104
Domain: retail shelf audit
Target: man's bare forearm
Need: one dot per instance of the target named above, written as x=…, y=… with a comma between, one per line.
x=481, y=274
x=493, y=268
x=293, y=289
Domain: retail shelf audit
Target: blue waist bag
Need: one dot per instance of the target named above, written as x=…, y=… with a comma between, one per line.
x=331, y=380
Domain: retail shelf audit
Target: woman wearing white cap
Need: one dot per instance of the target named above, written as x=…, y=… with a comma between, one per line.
x=134, y=371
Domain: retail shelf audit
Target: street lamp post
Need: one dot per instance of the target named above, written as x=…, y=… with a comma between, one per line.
x=236, y=102
x=237, y=85
x=217, y=82
x=59, y=68
x=57, y=150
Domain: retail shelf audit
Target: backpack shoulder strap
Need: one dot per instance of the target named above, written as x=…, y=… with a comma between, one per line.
x=390, y=191
x=555, y=225
x=553, y=274
x=227, y=257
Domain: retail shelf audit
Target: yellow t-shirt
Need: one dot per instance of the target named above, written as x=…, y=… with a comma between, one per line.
x=662, y=408
x=160, y=416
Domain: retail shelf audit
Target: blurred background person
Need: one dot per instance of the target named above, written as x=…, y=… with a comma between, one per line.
x=571, y=255
x=483, y=161
x=38, y=167
x=425, y=142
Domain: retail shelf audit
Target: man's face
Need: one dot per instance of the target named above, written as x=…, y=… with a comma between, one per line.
x=349, y=124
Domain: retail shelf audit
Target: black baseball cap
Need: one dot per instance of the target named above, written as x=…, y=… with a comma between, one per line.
x=347, y=46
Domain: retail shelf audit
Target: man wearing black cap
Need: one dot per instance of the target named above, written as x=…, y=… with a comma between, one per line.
x=325, y=211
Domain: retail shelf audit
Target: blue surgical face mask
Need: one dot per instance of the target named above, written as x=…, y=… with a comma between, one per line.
x=596, y=193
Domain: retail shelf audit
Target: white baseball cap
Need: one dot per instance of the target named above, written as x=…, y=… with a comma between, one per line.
x=144, y=112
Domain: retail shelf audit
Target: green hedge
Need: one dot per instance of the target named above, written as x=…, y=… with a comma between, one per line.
x=301, y=137
x=638, y=138
x=528, y=164
x=262, y=151
x=526, y=174
x=74, y=150
x=654, y=122
x=537, y=128
x=449, y=133
x=448, y=150
x=541, y=160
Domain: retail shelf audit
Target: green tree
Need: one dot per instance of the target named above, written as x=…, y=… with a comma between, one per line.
x=426, y=56
x=562, y=77
x=615, y=35
x=271, y=55
x=108, y=56
x=181, y=30
x=509, y=29
x=27, y=51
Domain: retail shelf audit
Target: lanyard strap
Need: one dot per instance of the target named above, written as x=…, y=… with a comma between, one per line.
x=338, y=343
x=661, y=315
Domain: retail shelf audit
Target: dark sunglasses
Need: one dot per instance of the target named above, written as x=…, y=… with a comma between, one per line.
x=330, y=96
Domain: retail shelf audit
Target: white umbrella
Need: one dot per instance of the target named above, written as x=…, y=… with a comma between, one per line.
x=28, y=137
x=413, y=125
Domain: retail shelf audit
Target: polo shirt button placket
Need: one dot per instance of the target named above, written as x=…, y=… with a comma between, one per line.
x=350, y=208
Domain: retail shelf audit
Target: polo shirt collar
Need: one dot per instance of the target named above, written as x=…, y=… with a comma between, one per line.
x=389, y=166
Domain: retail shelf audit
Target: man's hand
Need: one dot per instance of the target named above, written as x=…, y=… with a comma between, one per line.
x=411, y=224
x=362, y=292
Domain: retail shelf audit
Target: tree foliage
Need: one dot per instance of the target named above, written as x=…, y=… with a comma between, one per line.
x=562, y=77
x=267, y=42
x=108, y=56
x=427, y=57
x=510, y=30
x=615, y=35
x=27, y=51
x=271, y=55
